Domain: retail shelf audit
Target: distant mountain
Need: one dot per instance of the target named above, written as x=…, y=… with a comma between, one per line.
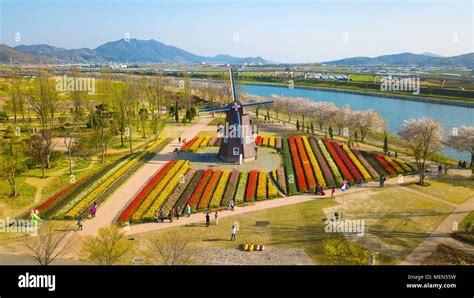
x=10, y=55
x=122, y=51
x=408, y=59
x=431, y=54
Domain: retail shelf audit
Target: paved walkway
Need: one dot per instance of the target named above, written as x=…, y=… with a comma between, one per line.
x=119, y=200
x=442, y=235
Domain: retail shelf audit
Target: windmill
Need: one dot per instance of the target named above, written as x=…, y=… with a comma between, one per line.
x=237, y=144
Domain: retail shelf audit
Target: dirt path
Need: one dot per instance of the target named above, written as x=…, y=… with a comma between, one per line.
x=110, y=210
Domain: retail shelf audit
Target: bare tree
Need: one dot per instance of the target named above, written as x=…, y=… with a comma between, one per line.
x=170, y=249
x=424, y=138
x=50, y=244
x=463, y=140
x=107, y=248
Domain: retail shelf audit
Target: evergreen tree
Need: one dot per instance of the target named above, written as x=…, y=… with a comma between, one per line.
x=331, y=133
x=312, y=128
x=297, y=124
x=176, y=112
x=385, y=143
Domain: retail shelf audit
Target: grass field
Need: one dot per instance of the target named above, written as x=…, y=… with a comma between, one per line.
x=454, y=188
x=393, y=228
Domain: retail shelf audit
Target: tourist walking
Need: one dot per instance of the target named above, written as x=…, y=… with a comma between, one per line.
x=177, y=212
x=333, y=193
x=207, y=219
x=170, y=215
x=232, y=205
x=382, y=181
x=162, y=215
x=233, y=236
x=188, y=210
x=216, y=217
x=179, y=140
x=359, y=183
x=93, y=210
x=79, y=224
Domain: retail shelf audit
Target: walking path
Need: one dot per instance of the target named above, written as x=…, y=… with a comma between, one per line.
x=111, y=209
x=442, y=235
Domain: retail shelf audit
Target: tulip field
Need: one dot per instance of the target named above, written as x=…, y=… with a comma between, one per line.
x=76, y=199
x=306, y=162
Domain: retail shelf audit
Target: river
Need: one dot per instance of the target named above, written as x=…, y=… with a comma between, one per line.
x=395, y=111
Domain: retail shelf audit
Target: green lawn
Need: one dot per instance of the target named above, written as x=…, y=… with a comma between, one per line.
x=454, y=188
x=385, y=212
x=9, y=205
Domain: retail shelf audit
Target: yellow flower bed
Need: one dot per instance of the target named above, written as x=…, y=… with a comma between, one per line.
x=196, y=144
x=181, y=167
x=205, y=141
x=274, y=175
x=403, y=165
x=394, y=164
x=101, y=188
x=314, y=162
x=264, y=141
x=262, y=186
x=157, y=190
x=220, y=188
x=357, y=163
x=271, y=142
x=272, y=190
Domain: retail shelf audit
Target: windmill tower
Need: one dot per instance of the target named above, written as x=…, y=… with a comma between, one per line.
x=237, y=144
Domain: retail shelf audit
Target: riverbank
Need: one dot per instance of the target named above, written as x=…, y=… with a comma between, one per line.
x=368, y=93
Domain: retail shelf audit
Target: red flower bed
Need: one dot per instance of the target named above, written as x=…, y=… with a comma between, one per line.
x=348, y=162
x=127, y=213
x=301, y=182
x=345, y=172
x=209, y=190
x=385, y=164
x=308, y=170
x=258, y=141
x=251, y=186
x=189, y=143
x=194, y=199
x=59, y=195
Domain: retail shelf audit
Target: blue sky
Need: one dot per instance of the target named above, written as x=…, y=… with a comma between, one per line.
x=279, y=30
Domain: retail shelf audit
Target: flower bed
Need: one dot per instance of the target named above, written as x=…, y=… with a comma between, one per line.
x=314, y=162
x=347, y=162
x=365, y=174
x=175, y=175
x=404, y=165
x=258, y=141
x=196, y=144
x=213, y=141
x=265, y=141
x=251, y=187
x=262, y=186
x=174, y=196
x=330, y=161
x=301, y=181
x=241, y=187
x=209, y=189
x=126, y=214
x=58, y=196
x=375, y=164
x=271, y=142
x=288, y=166
x=385, y=164
x=189, y=144
x=325, y=169
x=394, y=165
x=220, y=188
x=272, y=190
x=147, y=202
x=194, y=199
x=365, y=163
x=205, y=141
x=189, y=190
x=230, y=188
x=306, y=164
x=280, y=173
x=340, y=164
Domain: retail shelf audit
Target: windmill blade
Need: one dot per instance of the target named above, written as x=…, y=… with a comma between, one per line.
x=257, y=103
x=234, y=96
x=215, y=110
